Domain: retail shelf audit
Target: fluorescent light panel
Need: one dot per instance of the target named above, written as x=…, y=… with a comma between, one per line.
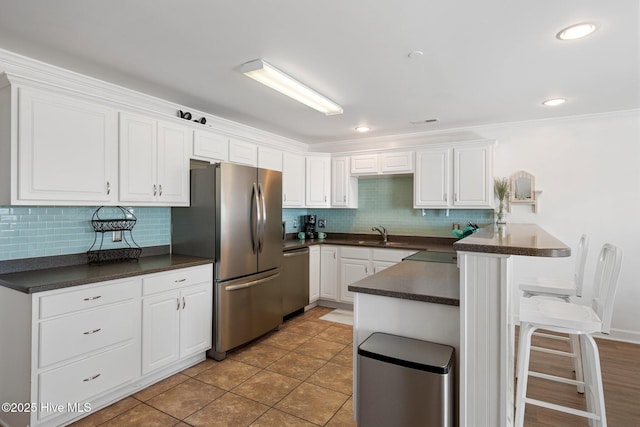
x=269, y=75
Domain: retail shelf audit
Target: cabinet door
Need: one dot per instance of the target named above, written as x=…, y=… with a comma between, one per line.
x=270, y=158
x=396, y=162
x=472, y=177
x=314, y=273
x=160, y=330
x=365, y=164
x=210, y=146
x=431, y=182
x=173, y=164
x=138, y=158
x=67, y=149
x=351, y=270
x=318, y=181
x=242, y=152
x=344, y=187
x=378, y=266
x=328, y=273
x=196, y=319
x=292, y=180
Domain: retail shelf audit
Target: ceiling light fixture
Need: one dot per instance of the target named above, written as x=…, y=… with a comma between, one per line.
x=265, y=73
x=554, y=102
x=576, y=31
x=363, y=129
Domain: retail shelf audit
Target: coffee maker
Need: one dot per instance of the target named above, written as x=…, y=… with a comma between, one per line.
x=309, y=226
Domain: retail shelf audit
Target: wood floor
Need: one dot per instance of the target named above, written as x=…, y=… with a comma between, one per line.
x=620, y=363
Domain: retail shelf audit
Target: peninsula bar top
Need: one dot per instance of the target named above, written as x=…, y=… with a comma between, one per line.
x=514, y=239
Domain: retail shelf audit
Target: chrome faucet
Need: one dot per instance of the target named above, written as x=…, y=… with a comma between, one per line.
x=382, y=231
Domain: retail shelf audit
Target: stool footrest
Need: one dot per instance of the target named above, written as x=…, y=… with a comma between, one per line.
x=564, y=409
x=556, y=378
x=551, y=336
x=551, y=351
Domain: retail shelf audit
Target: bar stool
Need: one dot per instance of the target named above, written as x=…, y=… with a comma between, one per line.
x=564, y=290
x=558, y=288
x=574, y=319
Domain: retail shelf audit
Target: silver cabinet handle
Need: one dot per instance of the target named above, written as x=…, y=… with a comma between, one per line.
x=92, y=332
x=344, y=198
x=285, y=197
x=178, y=306
x=179, y=280
x=92, y=298
x=108, y=188
x=444, y=197
x=366, y=270
x=184, y=303
x=91, y=378
x=155, y=189
x=455, y=196
x=325, y=198
x=160, y=186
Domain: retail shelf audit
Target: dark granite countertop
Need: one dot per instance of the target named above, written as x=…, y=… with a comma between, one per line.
x=47, y=279
x=438, y=244
x=434, y=282
x=514, y=239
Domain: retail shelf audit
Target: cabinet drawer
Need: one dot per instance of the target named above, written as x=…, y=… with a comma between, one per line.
x=88, y=297
x=77, y=334
x=176, y=279
x=354, y=252
x=79, y=382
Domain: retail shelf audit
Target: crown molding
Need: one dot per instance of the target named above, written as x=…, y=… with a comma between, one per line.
x=21, y=68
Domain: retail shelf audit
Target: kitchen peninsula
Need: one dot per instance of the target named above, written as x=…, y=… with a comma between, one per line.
x=418, y=300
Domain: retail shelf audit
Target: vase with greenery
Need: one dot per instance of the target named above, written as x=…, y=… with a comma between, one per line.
x=501, y=189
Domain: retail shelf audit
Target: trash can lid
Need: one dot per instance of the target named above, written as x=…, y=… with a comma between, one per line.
x=408, y=352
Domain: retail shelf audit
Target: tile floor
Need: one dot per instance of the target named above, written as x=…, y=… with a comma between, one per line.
x=298, y=376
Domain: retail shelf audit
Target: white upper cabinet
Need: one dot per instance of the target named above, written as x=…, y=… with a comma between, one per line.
x=154, y=162
x=458, y=177
x=364, y=164
x=344, y=187
x=269, y=158
x=387, y=163
x=65, y=149
x=318, y=181
x=210, y=146
x=292, y=180
x=243, y=152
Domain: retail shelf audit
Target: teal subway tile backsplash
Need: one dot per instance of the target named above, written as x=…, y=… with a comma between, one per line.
x=388, y=201
x=34, y=231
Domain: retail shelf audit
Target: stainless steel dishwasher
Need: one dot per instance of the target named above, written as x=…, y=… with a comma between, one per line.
x=295, y=280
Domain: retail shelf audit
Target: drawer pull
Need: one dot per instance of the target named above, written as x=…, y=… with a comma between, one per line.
x=180, y=280
x=91, y=378
x=92, y=298
x=92, y=332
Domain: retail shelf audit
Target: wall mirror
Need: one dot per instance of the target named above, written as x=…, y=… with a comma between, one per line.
x=523, y=189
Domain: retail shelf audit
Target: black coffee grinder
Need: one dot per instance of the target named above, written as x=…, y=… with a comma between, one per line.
x=309, y=226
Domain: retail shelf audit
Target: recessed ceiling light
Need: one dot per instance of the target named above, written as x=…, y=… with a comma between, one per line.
x=554, y=102
x=576, y=31
x=363, y=129
x=415, y=54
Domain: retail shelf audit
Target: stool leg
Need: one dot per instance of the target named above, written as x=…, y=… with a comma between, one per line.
x=577, y=360
x=524, y=350
x=593, y=380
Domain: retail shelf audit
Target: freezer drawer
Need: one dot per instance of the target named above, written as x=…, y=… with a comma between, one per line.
x=245, y=309
x=404, y=382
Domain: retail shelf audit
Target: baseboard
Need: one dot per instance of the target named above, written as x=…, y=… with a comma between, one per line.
x=623, y=335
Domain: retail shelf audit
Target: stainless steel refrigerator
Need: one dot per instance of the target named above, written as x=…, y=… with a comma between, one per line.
x=235, y=217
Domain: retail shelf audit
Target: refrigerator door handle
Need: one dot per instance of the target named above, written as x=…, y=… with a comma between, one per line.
x=255, y=232
x=250, y=284
x=263, y=218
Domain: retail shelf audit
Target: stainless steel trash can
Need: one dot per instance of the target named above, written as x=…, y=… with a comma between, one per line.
x=404, y=382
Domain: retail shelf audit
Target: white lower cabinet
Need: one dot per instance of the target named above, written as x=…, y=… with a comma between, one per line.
x=341, y=266
x=77, y=349
x=329, y=272
x=314, y=274
x=176, y=323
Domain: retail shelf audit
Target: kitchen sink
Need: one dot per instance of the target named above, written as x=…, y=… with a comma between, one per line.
x=376, y=243
x=393, y=244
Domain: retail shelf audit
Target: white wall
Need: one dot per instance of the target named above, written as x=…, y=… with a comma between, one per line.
x=588, y=169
